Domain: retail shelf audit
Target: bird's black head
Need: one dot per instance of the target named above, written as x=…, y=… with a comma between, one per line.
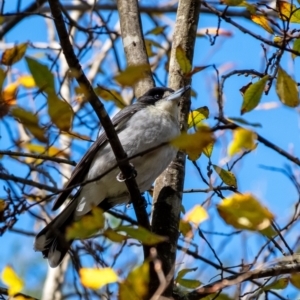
x=153, y=95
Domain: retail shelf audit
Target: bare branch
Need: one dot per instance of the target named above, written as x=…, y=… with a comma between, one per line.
x=99, y=109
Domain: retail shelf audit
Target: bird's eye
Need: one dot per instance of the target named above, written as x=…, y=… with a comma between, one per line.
x=157, y=96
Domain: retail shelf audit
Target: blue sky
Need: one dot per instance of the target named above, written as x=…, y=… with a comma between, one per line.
x=279, y=125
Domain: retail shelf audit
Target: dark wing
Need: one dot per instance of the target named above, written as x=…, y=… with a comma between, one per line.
x=119, y=121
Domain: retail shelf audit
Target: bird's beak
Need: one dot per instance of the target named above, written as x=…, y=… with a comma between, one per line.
x=177, y=94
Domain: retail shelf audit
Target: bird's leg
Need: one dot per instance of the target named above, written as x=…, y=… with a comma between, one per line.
x=120, y=177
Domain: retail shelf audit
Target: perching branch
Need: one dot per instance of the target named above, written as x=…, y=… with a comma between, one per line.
x=99, y=109
x=169, y=186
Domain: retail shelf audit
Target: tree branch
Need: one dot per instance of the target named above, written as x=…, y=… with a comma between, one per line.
x=133, y=42
x=241, y=277
x=39, y=156
x=267, y=143
x=19, y=17
x=73, y=63
x=169, y=186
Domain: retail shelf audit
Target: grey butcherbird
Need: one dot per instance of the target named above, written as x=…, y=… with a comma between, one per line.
x=149, y=122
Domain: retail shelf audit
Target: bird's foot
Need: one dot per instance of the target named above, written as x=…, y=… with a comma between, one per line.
x=120, y=177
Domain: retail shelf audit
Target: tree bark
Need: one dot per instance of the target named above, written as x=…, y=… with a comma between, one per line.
x=169, y=186
x=133, y=42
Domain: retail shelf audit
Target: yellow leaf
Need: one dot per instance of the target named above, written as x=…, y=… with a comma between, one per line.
x=295, y=280
x=27, y=81
x=287, y=89
x=97, y=278
x=12, y=280
x=86, y=226
x=288, y=12
x=132, y=74
x=227, y=176
x=232, y=2
x=60, y=112
x=243, y=139
x=185, y=228
x=47, y=150
x=197, y=115
x=14, y=54
x=183, y=61
x=263, y=22
x=9, y=94
x=110, y=95
x=3, y=205
x=208, y=150
x=31, y=122
x=193, y=144
x=243, y=211
x=135, y=286
x=196, y=215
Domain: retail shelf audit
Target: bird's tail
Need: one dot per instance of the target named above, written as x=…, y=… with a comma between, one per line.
x=51, y=241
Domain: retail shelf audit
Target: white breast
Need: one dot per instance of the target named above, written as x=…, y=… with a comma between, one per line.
x=146, y=129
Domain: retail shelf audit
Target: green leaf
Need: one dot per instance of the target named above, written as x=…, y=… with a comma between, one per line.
x=232, y=2
x=157, y=30
x=132, y=74
x=189, y=283
x=14, y=54
x=143, y=235
x=197, y=115
x=253, y=95
x=296, y=47
x=295, y=280
x=286, y=89
x=244, y=122
x=279, y=284
x=41, y=74
x=135, y=286
x=87, y=226
x=60, y=112
x=30, y=122
x=183, y=272
x=114, y=236
x=185, y=228
x=227, y=176
x=110, y=95
x=2, y=78
x=183, y=61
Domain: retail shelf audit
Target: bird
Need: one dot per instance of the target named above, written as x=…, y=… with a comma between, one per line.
x=149, y=122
